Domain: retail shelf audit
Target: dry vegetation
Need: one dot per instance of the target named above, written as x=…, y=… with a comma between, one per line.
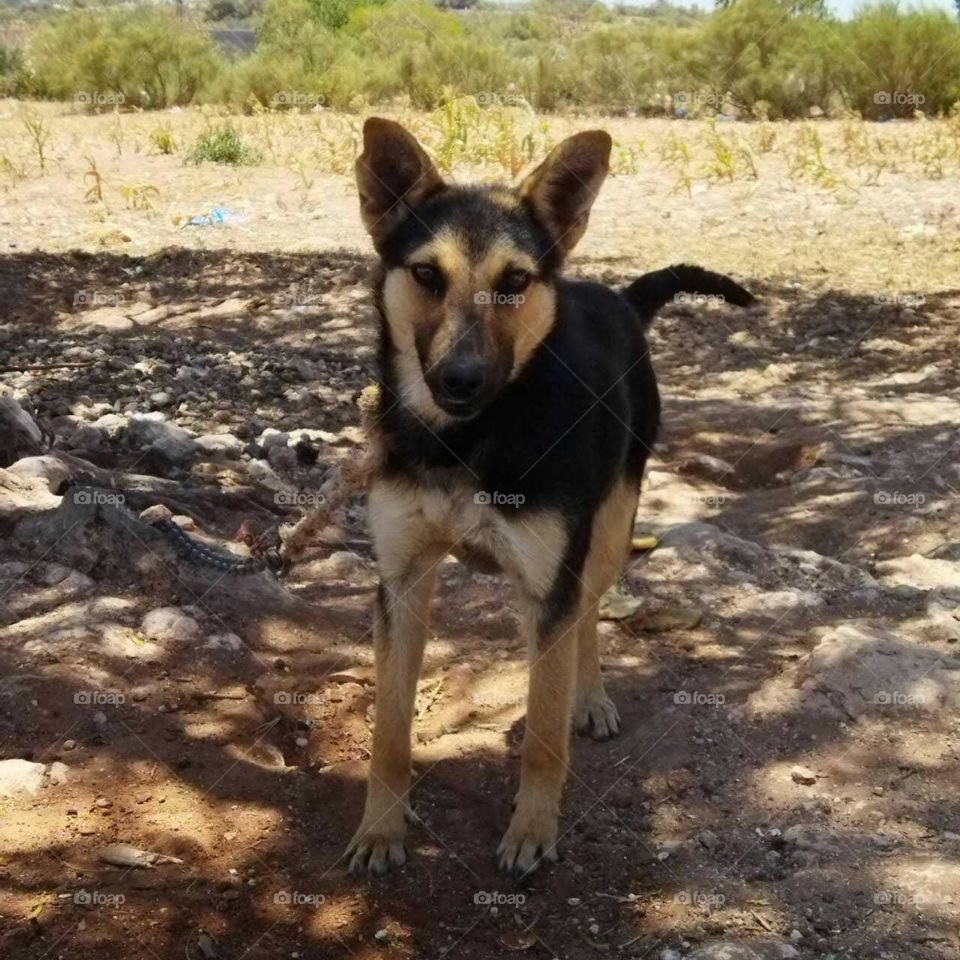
x=828, y=498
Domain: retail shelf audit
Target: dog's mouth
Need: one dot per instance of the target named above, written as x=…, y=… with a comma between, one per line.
x=460, y=409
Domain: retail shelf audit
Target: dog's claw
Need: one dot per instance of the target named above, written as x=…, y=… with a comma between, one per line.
x=376, y=849
x=599, y=718
x=528, y=842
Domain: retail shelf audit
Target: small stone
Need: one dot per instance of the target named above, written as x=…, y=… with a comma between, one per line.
x=169, y=623
x=69, y=744
x=382, y=936
x=709, y=840
x=803, y=775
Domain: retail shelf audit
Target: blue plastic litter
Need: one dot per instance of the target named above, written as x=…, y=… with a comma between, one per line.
x=215, y=216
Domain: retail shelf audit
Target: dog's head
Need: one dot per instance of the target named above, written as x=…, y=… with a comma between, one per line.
x=468, y=272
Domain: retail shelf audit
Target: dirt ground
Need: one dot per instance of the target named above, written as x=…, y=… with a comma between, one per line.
x=788, y=671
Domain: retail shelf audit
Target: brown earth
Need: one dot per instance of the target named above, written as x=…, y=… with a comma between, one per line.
x=786, y=781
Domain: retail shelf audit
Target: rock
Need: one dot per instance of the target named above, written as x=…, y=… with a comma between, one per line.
x=54, y=573
x=703, y=465
x=224, y=641
x=111, y=424
x=812, y=837
x=283, y=459
x=803, y=775
x=13, y=570
x=924, y=573
x=273, y=438
x=18, y=777
x=46, y=468
x=173, y=443
x=169, y=623
x=765, y=949
x=155, y=513
x=219, y=446
x=382, y=936
x=709, y=840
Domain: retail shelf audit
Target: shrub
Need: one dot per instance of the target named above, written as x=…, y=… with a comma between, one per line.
x=223, y=145
x=135, y=57
x=903, y=61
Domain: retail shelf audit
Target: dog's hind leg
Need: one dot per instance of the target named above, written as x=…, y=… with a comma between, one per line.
x=408, y=572
x=594, y=712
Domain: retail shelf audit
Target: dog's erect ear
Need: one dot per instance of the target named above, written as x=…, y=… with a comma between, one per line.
x=562, y=189
x=393, y=176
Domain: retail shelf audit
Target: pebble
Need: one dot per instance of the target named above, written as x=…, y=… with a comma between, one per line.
x=803, y=775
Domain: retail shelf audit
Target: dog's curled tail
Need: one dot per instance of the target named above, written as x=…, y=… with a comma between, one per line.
x=647, y=294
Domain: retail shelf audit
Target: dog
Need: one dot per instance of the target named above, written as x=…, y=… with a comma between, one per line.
x=517, y=410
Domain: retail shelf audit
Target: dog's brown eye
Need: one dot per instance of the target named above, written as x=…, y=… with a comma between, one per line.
x=515, y=281
x=427, y=276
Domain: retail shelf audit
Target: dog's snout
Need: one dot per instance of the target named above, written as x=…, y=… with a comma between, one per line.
x=462, y=378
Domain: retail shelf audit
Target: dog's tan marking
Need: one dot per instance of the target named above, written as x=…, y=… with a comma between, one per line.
x=529, y=323
x=408, y=555
x=532, y=834
x=408, y=307
x=594, y=711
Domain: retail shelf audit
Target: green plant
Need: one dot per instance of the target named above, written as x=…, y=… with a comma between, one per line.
x=223, y=145
x=162, y=138
x=38, y=130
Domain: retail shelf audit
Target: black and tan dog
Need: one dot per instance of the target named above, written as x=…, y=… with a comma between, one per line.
x=517, y=413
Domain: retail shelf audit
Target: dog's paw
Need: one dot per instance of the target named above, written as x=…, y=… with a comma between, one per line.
x=378, y=843
x=530, y=839
x=597, y=716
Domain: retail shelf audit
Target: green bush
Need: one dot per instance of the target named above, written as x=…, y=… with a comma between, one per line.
x=223, y=145
x=903, y=61
x=13, y=73
x=776, y=58
x=133, y=57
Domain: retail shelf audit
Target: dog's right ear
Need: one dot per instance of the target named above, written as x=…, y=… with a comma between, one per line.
x=394, y=174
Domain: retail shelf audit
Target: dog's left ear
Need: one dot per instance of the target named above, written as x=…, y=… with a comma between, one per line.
x=394, y=174
x=562, y=189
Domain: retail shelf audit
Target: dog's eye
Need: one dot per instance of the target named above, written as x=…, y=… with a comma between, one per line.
x=427, y=276
x=514, y=281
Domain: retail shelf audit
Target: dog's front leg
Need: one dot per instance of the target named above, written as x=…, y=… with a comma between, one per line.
x=400, y=624
x=408, y=568
x=532, y=834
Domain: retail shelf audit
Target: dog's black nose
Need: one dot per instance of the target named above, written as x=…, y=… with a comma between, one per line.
x=462, y=379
